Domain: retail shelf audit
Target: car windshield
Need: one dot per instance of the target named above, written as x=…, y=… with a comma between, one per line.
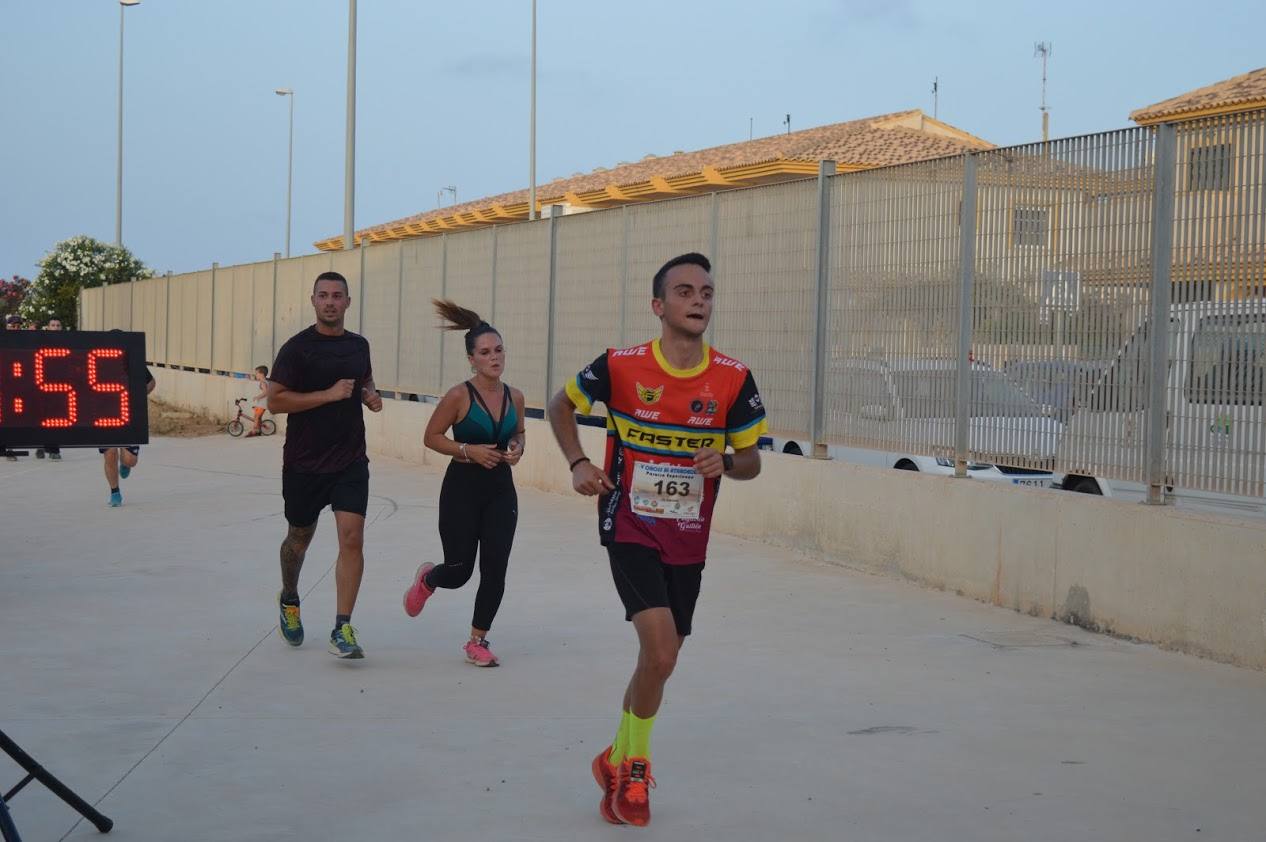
x=930, y=394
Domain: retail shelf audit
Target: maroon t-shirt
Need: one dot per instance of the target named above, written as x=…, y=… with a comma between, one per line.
x=327, y=439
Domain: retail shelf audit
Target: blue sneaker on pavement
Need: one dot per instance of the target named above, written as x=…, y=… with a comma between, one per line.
x=116, y=499
x=290, y=626
x=124, y=472
x=343, y=643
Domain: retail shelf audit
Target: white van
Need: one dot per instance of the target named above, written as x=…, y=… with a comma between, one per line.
x=912, y=400
x=1215, y=387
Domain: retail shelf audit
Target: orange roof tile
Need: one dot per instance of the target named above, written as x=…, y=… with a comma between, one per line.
x=1239, y=93
x=898, y=138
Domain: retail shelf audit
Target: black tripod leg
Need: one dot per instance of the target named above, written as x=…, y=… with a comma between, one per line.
x=8, y=831
x=55, y=786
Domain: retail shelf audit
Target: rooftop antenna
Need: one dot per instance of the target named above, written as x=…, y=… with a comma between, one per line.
x=1042, y=50
x=439, y=195
x=787, y=123
x=936, y=97
x=750, y=122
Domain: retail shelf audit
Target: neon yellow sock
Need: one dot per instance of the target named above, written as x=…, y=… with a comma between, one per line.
x=621, y=743
x=639, y=736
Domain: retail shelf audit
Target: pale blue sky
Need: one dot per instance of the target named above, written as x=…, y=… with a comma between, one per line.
x=443, y=97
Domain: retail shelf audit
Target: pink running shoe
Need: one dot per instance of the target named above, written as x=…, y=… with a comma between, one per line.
x=478, y=653
x=418, y=593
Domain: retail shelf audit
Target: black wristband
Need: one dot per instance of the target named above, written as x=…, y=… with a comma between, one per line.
x=573, y=465
x=727, y=462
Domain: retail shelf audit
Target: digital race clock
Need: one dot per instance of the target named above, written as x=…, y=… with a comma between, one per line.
x=68, y=389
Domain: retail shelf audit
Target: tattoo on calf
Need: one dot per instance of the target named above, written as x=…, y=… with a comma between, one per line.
x=293, y=549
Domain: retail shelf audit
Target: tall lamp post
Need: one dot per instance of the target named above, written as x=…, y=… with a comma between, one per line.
x=532, y=127
x=290, y=160
x=118, y=178
x=349, y=165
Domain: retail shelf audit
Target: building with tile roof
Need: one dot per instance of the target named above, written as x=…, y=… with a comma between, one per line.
x=1246, y=92
x=1219, y=249
x=898, y=138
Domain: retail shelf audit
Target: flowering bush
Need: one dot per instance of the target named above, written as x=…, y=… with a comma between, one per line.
x=12, y=294
x=78, y=263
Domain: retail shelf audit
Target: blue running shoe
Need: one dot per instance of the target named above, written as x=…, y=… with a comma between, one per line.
x=290, y=626
x=343, y=643
x=116, y=499
x=124, y=471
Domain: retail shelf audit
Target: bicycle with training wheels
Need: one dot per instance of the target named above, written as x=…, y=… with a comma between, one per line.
x=237, y=426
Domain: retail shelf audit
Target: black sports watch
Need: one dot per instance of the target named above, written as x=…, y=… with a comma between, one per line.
x=728, y=461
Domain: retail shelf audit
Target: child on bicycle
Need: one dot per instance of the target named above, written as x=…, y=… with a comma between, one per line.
x=261, y=377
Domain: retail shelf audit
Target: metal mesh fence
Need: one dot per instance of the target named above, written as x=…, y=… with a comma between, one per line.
x=1065, y=266
x=263, y=330
x=467, y=281
x=588, y=270
x=117, y=305
x=1061, y=280
x=894, y=268
x=421, y=276
x=380, y=311
x=764, y=262
x=522, y=309
x=291, y=306
x=1216, y=385
x=656, y=232
x=224, y=281
x=347, y=264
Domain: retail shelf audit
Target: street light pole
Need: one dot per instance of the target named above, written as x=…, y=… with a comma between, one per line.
x=349, y=167
x=118, y=176
x=532, y=129
x=290, y=160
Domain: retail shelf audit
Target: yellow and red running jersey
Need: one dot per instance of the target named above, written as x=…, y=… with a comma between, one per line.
x=657, y=417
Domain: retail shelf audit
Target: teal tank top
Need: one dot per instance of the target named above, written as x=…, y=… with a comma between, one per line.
x=478, y=426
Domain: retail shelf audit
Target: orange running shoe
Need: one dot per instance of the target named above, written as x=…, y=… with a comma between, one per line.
x=606, y=775
x=632, y=800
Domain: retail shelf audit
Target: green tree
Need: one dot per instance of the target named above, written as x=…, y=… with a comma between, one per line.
x=78, y=263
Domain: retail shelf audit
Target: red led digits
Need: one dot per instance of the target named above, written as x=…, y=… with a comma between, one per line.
x=17, y=406
x=108, y=387
x=17, y=370
x=72, y=401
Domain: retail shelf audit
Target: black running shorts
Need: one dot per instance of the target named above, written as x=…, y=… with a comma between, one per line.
x=644, y=581
x=135, y=451
x=307, y=494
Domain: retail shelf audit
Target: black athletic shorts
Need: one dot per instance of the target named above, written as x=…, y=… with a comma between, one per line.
x=135, y=451
x=644, y=581
x=307, y=494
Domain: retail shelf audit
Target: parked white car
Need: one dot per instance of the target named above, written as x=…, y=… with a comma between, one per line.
x=895, y=402
x=1215, y=395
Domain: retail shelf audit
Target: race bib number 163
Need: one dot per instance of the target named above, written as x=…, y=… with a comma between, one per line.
x=667, y=491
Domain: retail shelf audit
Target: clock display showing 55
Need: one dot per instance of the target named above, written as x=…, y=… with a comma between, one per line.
x=69, y=389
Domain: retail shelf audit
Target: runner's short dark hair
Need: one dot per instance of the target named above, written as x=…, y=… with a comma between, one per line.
x=262, y=369
x=693, y=258
x=332, y=276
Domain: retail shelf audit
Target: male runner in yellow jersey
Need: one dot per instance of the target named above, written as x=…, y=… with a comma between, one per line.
x=673, y=404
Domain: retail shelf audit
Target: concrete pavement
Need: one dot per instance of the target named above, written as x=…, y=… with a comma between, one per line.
x=142, y=666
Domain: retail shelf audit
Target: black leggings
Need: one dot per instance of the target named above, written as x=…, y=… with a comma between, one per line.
x=479, y=509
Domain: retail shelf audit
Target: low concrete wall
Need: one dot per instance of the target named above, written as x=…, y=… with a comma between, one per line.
x=1188, y=581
